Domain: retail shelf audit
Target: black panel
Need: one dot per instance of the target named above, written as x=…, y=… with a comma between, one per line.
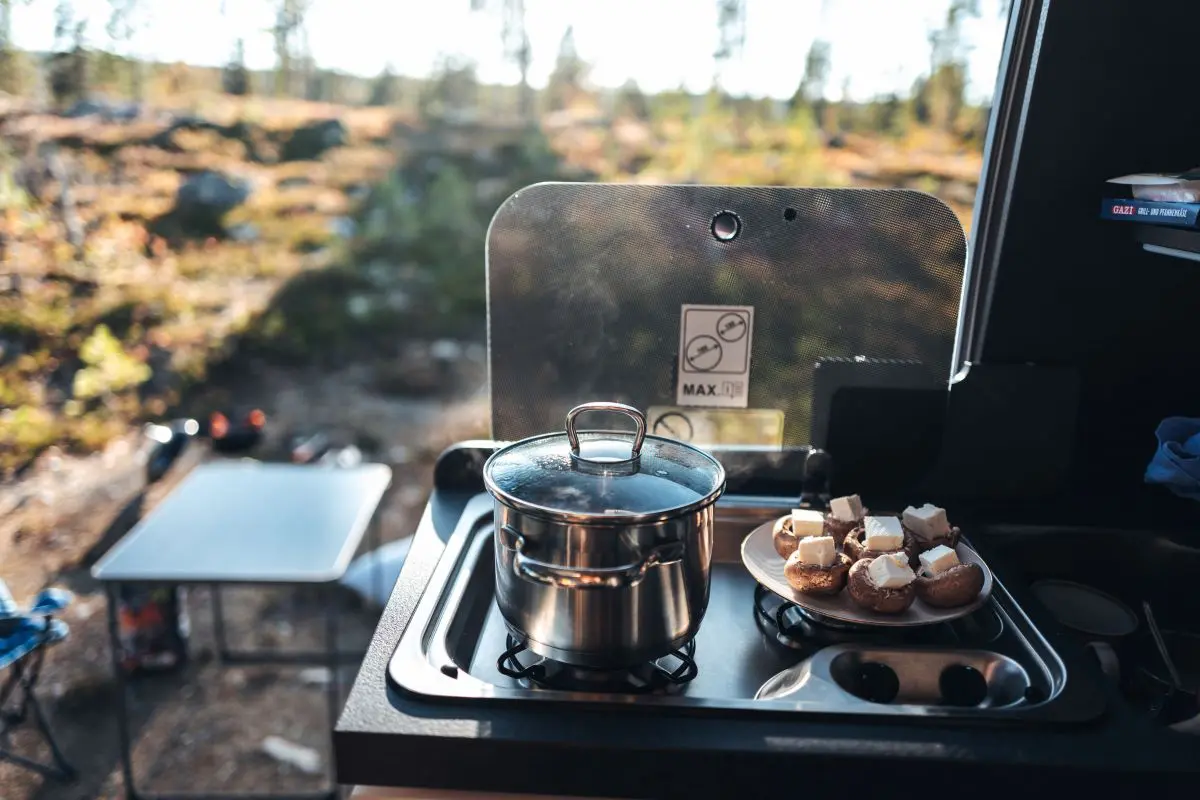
x=1010, y=432
x=884, y=442
x=1112, y=93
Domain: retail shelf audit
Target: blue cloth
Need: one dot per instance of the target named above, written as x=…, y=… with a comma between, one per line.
x=50, y=602
x=29, y=635
x=26, y=631
x=8, y=606
x=1176, y=463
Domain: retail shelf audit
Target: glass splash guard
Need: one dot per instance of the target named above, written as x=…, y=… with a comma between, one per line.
x=712, y=308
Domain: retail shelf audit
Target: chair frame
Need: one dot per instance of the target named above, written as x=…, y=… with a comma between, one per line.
x=19, y=705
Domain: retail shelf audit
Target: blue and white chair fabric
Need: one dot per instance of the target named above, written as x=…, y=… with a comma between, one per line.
x=25, y=634
x=22, y=632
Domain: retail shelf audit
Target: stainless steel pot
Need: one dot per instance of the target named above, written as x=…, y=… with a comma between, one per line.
x=603, y=541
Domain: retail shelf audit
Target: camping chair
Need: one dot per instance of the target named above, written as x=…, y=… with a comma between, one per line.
x=24, y=638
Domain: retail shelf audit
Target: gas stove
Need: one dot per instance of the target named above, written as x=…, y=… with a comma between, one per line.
x=663, y=674
x=754, y=653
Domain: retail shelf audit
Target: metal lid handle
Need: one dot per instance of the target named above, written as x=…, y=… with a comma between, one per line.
x=638, y=418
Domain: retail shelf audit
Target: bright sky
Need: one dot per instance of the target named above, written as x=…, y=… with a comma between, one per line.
x=876, y=45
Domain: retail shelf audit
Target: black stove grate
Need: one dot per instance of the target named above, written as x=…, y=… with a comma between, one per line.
x=791, y=626
x=672, y=670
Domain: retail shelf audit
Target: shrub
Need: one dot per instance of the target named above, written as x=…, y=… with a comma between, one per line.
x=109, y=368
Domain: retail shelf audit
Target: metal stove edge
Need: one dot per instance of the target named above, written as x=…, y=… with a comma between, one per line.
x=422, y=666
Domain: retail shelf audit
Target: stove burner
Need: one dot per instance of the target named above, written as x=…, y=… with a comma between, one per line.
x=672, y=670
x=791, y=626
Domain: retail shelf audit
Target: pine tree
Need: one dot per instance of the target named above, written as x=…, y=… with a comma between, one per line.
x=566, y=81
x=289, y=21
x=235, y=77
x=11, y=77
x=810, y=94
x=383, y=89
x=631, y=102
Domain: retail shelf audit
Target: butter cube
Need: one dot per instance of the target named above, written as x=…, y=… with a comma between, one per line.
x=927, y=522
x=806, y=522
x=937, y=560
x=883, y=533
x=816, y=551
x=846, y=509
x=890, y=571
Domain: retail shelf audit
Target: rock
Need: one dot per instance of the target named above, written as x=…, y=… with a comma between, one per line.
x=491, y=189
x=84, y=608
x=342, y=227
x=343, y=457
x=83, y=108
x=206, y=197
x=105, y=109
x=315, y=676
x=293, y=182
x=297, y=756
x=244, y=232
x=372, y=575
x=10, y=349
x=411, y=496
x=358, y=306
x=309, y=143
x=446, y=350
x=307, y=449
x=397, y=300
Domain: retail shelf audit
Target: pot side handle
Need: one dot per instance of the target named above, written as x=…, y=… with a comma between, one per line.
x=563, y=577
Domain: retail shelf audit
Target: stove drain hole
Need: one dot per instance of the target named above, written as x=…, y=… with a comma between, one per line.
x=962, y=686
x=1034, y=695
x=876, y=683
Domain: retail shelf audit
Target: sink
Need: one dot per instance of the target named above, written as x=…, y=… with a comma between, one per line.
x=926, y=678
x=1130, y=565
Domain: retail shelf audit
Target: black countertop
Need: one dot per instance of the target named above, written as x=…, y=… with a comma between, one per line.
x=386, y=738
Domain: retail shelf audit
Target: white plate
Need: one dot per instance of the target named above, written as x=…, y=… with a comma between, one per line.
x=759, y=556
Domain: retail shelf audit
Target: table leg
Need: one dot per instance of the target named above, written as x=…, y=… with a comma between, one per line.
x=333, y=687
x=219, y=624
x=375, y=542
x=123, y=740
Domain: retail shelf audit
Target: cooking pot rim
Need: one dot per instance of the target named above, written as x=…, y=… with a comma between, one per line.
x=600, y=520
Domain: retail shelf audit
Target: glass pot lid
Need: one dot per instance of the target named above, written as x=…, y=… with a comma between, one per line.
x=614, y=475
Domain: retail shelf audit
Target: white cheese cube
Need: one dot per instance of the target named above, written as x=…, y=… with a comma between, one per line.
x=816, y=551
x=846, y=509
x=806, y=522
x=883, y=533
x=937, y=560
x=927, y=522
x=890, y=571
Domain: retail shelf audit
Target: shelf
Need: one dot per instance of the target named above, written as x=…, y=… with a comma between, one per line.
x=1174, y=242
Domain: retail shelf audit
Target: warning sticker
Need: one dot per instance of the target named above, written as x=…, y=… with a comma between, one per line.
x=714, y=356
x=711, y=427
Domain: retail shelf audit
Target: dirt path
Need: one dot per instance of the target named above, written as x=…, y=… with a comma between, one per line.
x=202, y=729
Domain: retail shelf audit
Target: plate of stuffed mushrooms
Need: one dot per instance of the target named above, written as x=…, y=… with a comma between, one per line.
x=851, y=566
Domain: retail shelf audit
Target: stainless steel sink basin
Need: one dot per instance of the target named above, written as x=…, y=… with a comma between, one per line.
x=1131, y=565
x=903, y=676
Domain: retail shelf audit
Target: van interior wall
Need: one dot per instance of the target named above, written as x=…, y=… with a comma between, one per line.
x=1113, y=93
